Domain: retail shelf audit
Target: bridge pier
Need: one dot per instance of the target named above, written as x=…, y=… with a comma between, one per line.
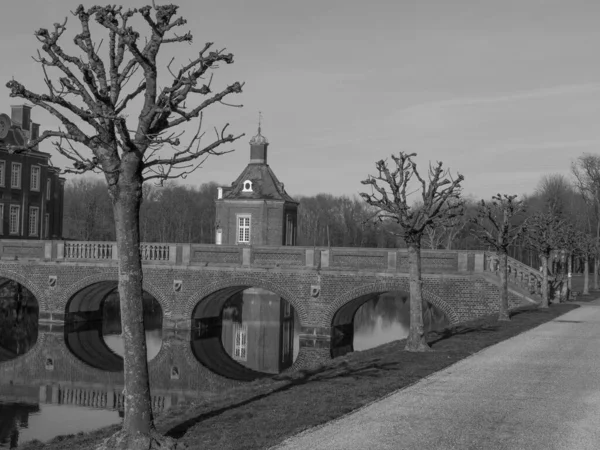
x=315, y=347
x=51, y=318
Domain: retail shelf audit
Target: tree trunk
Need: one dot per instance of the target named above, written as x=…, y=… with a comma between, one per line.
x=544, y=303
x=596, y=269
x=569, y=277
x=503, y=306
x=138, y=432
x=416, y=336
x=586, y=276
x=138, y=409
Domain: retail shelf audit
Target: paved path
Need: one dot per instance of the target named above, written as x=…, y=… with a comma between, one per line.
x=538, y=390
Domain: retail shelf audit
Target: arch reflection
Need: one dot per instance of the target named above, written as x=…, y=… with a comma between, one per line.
x=245, y=333
x=93, y=326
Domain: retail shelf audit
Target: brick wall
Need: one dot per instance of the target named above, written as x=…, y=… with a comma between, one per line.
x=316, y=282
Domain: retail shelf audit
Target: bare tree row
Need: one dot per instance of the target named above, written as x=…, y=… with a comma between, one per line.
x=169, y=213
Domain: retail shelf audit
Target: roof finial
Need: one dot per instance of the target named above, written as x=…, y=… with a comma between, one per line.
x=259, y=139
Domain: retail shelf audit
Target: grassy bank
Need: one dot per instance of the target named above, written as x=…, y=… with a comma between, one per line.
x=262, y=414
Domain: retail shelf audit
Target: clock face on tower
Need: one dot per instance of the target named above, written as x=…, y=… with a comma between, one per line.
x=4, y=125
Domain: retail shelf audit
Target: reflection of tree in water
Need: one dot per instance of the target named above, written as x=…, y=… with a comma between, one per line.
x=18, y=319
x=393, y=308
x=12, y=417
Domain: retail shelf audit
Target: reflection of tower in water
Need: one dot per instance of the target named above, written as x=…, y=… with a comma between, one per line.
x=258, y=330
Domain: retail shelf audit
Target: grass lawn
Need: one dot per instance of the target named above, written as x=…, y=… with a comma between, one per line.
x=262, y=414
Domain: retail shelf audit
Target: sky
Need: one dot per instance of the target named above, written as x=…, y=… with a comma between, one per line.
x=502, y=92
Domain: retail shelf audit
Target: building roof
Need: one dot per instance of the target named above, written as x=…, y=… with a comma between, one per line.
x=265, y=185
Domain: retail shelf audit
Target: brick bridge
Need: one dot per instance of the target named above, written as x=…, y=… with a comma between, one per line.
x=326, y=286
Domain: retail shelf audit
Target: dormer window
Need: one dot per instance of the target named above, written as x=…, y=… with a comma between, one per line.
x=247, y=186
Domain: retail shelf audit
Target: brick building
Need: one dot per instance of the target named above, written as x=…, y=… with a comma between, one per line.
x=31, y=203
x=255, y=209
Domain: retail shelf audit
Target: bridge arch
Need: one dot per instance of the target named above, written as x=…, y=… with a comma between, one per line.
x=34, y=288
x=236, y=283
x=204, y=309
x=84, y=338
x=366, y=291
x=147, y=286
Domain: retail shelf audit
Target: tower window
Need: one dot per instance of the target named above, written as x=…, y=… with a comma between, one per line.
x=244, y=229
x=247, y=186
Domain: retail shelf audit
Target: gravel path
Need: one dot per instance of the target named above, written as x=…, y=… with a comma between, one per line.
x=538, y=390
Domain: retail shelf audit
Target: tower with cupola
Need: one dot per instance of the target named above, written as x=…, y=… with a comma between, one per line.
x=256, y=209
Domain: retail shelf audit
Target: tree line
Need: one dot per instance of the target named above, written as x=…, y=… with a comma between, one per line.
x=184, y=213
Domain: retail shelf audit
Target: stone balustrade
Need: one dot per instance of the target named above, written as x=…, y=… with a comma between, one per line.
x=518, y=273
x=89, y=250
x=310, y=258
x=355, y=259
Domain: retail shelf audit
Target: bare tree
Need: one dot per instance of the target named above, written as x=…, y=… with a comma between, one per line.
x=496, y=227
x=454, y=226
x=87, y=210
x=92, y=101
x=586, y=247
x=544, y=235
x=587, y=178
x=439, y=201
x=554, y=191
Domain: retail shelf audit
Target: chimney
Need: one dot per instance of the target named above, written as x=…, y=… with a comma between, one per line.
x=35, y=133
x=35, y=130
x=21, y=115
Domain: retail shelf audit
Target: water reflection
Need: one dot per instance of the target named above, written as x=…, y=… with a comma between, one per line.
x=13, y=418
x=153, y=342
x=258, y=330
x=254, y=333
x=385, y=318
x=111, y=324
x=18, y=319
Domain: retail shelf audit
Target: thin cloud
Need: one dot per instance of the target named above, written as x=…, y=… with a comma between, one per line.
x=506, y=98
x=545, y=145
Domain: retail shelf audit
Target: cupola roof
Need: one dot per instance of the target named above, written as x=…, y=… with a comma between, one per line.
x=259, y=139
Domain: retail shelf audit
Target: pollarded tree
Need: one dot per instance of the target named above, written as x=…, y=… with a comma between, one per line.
x=439, y=201
x=587, y=179
x=586, y=248
x=129, y=145
x=545, y=233
x=495, y=225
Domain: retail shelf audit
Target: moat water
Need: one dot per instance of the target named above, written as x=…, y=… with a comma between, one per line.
x=74, y=383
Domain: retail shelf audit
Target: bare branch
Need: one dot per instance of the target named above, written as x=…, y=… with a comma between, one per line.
x=436, y=203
